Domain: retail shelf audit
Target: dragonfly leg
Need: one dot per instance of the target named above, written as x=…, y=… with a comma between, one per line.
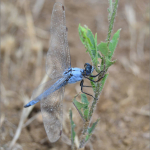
x=96, y=80
x=102, y=76
x=97, y=74
x=81, y=84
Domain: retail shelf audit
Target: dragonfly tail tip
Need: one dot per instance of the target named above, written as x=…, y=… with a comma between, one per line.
x=27, y=105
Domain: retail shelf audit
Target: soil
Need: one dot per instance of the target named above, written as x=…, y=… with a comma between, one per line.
x=123, y=107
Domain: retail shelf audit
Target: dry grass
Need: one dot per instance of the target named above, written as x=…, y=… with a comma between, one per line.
x=124, y=104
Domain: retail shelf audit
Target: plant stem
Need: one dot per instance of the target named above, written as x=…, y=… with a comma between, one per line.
x=99, y=85
x=111, y=23
x=97, y=93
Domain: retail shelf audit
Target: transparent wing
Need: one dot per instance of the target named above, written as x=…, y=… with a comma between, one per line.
x=58, y=55
x=46, y=89
x=52, y=112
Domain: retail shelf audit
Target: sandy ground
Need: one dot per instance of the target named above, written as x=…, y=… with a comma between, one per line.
x=124, y=103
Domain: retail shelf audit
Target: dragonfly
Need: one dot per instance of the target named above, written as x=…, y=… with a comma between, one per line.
x=58, y=68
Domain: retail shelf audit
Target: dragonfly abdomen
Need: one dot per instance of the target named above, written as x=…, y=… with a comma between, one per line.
x=46, y=93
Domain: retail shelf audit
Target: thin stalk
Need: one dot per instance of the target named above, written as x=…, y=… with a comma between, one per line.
x=99, y=85
x=111, y=23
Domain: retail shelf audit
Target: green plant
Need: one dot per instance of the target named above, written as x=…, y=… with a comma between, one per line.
x=104, y=52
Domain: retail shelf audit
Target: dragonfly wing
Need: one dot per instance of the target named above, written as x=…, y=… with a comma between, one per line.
x=58, y=55
x=52, y=112
x=46, y=89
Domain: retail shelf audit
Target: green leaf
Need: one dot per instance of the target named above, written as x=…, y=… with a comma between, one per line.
x=91, y=40
x=84, y=99
x=78, y=104
x=87, y=137
x=95, y=41
x=82, y=108
x=109, y=63
x=86, y=113
x=90, y=43
x=103, y=48
x=99, y=56
x=82, y=32
x=90, y=130
x=113, y=43
x=93, y=84
x=86, y=37
x=103, y=81
x=73, y=134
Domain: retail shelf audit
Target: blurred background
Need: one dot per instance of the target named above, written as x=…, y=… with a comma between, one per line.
x=124, y=103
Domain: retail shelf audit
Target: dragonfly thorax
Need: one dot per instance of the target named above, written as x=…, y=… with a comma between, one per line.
x=76, y=74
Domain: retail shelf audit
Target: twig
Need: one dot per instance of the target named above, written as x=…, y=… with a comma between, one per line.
x=31, y=119
x=141, y=112
x=38, y=7
x=24, y=115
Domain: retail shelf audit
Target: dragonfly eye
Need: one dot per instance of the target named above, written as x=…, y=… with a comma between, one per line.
x=88, y=69
x=86, y=64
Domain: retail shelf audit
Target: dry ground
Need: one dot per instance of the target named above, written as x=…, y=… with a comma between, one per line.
x=124, y=103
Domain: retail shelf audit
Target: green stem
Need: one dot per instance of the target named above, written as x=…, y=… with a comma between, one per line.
x=111, y=24
x=98, y=89
x=97, y=93
x=99, y=85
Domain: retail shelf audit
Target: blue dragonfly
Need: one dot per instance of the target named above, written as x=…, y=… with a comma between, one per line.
x=58, y=68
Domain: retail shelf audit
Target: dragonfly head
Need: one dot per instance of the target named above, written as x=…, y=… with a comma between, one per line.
x=88, y=69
